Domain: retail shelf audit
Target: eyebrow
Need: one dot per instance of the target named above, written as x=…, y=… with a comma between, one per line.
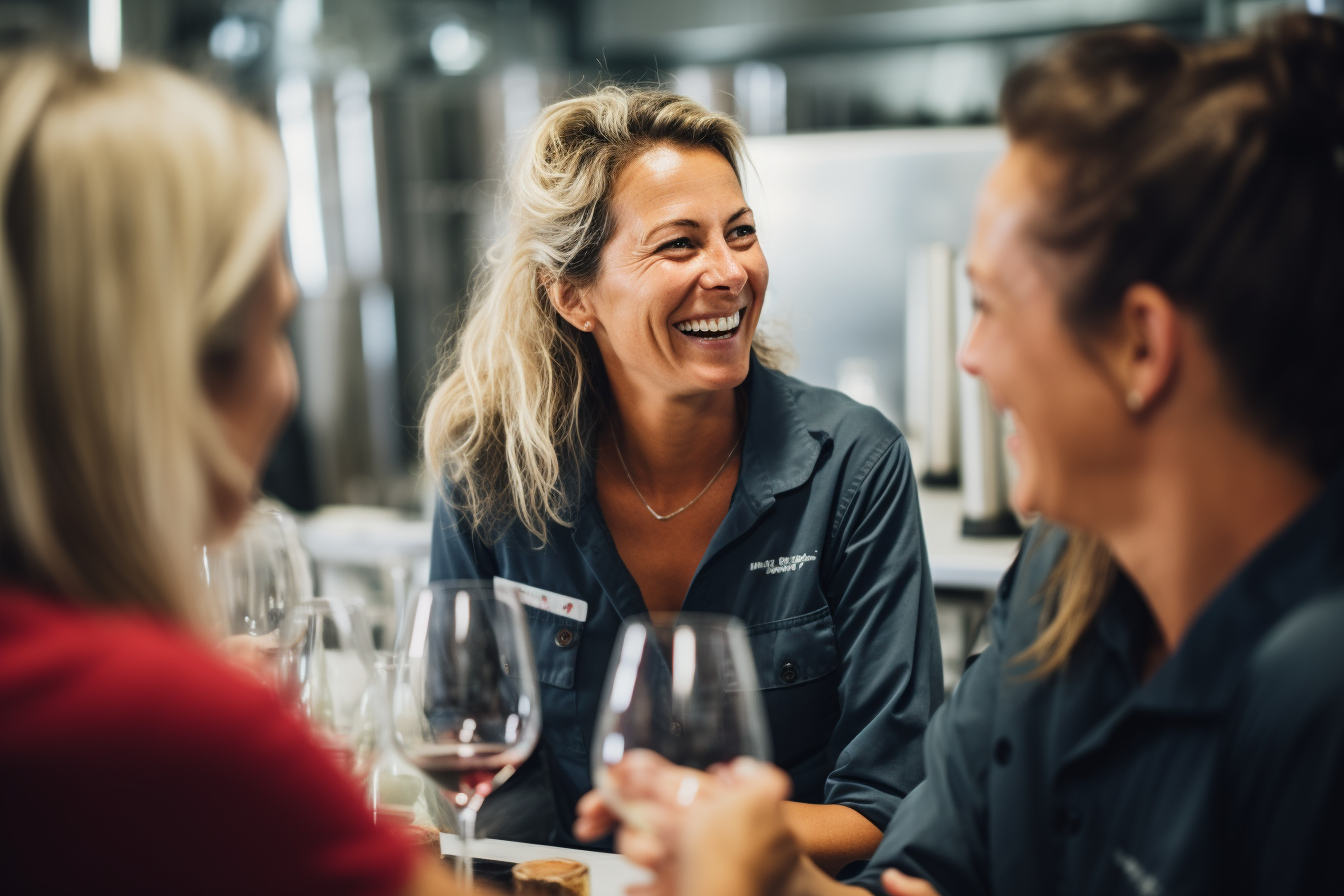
x=688, y=222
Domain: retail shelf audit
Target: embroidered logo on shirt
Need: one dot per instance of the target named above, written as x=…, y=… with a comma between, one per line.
x=1144, y=883
x=782, y=564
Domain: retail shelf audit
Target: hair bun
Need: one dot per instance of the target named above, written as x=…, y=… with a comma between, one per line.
x=1304, y=57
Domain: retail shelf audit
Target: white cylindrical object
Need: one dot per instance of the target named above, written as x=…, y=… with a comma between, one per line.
x=915, y=420
x=941, y=437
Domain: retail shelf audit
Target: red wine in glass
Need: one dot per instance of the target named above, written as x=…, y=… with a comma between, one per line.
x=464, y=771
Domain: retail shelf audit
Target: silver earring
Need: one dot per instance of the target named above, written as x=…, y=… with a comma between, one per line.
x=1134, y=401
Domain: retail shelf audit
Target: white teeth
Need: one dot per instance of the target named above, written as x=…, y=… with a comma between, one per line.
x=715, y=325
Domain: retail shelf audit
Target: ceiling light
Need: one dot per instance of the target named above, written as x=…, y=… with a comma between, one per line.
x=456, y=49
x=235, y=40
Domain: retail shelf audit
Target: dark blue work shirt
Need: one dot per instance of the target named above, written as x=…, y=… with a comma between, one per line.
x=1221, y=774
x=821, y=554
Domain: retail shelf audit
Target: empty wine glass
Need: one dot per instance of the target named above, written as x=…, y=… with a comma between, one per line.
x=467, y=712
x=681, y=685
x=327, y=670
x=257, y=578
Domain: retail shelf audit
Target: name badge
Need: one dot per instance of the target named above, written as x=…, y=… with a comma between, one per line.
x=541, y=599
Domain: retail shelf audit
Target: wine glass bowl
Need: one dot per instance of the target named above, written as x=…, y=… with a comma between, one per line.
x=326, y=671
x=467, y=711
x=684, y=686
x=257, y=578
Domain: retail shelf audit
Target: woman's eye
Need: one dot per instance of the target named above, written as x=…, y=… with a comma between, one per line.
x=680, y=242
x=742, y=230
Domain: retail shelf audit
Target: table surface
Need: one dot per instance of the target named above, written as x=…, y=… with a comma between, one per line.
x=609, y=874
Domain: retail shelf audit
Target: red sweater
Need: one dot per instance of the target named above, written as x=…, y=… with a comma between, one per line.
x=133, y=760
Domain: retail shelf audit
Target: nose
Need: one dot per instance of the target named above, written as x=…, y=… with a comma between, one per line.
x=722, y=270
x=969, y=355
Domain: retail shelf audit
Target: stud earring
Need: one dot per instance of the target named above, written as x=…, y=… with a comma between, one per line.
x=587, y=325
x=1134, y=401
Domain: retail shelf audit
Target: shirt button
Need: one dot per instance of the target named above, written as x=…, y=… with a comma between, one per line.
x=788, y=673
x=1003, y=751
x=564, y=638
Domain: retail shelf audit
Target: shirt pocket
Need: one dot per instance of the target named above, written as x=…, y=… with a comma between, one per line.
x=795, y=659
x=555, y=644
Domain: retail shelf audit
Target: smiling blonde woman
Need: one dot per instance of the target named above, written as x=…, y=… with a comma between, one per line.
x=610, y=428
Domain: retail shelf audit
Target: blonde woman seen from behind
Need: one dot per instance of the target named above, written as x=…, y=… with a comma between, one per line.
x=611, y=429
x=144, y=371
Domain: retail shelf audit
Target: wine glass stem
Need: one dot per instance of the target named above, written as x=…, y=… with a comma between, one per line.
x=466, y=829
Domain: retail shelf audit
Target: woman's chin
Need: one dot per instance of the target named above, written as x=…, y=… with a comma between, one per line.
x=1024, y=498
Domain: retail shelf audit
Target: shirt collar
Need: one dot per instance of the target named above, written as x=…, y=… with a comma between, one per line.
x=1302, y=562
x=779, y=451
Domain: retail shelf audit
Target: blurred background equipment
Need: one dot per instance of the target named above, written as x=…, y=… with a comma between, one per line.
x=871, y=129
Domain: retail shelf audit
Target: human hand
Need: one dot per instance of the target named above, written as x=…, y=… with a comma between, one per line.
x=898, y=884
x=257, y=654
x=701, y=833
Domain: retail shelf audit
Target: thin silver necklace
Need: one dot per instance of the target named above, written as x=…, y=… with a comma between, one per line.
x=659, y=516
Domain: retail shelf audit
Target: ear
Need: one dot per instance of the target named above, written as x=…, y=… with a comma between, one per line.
x=1146, y=345
x=571, y=303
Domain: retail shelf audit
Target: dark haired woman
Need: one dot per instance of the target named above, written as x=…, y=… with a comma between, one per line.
x=1160, y=266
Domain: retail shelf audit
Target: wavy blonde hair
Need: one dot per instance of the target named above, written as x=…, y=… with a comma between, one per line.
x=519, y=392
x=139, y=206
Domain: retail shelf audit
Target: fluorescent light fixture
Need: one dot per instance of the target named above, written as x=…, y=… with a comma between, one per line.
x=358, y=175
x=761, y=91
x=235, y=40
x=456, y=48
x=105, y=33
x=378, y=326
x=522, y=96
x=694, y=82
x=298, y=21
x=307, y=243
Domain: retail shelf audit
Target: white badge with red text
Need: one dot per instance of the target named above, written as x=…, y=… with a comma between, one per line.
x=541, y=599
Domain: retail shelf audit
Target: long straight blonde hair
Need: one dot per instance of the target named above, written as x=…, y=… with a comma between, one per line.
x=519, y=391
x=139, y=206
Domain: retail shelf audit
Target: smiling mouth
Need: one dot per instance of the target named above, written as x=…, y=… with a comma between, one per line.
x=714, y=328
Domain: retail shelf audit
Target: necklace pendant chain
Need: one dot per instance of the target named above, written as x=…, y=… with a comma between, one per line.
x=667, y=516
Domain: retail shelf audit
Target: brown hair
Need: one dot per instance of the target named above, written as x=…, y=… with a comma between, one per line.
x=1217, y=174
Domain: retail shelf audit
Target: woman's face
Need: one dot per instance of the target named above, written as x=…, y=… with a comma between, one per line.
x=680, y=284
x=254, y=397
x=1074, y=434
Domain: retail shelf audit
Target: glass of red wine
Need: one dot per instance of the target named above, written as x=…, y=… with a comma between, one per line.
x=684, y=686
x=466, y=711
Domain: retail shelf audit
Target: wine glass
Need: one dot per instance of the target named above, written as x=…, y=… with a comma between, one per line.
x=327, y=671
x=257, y=578
x=681, y=685
x=467, y=710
